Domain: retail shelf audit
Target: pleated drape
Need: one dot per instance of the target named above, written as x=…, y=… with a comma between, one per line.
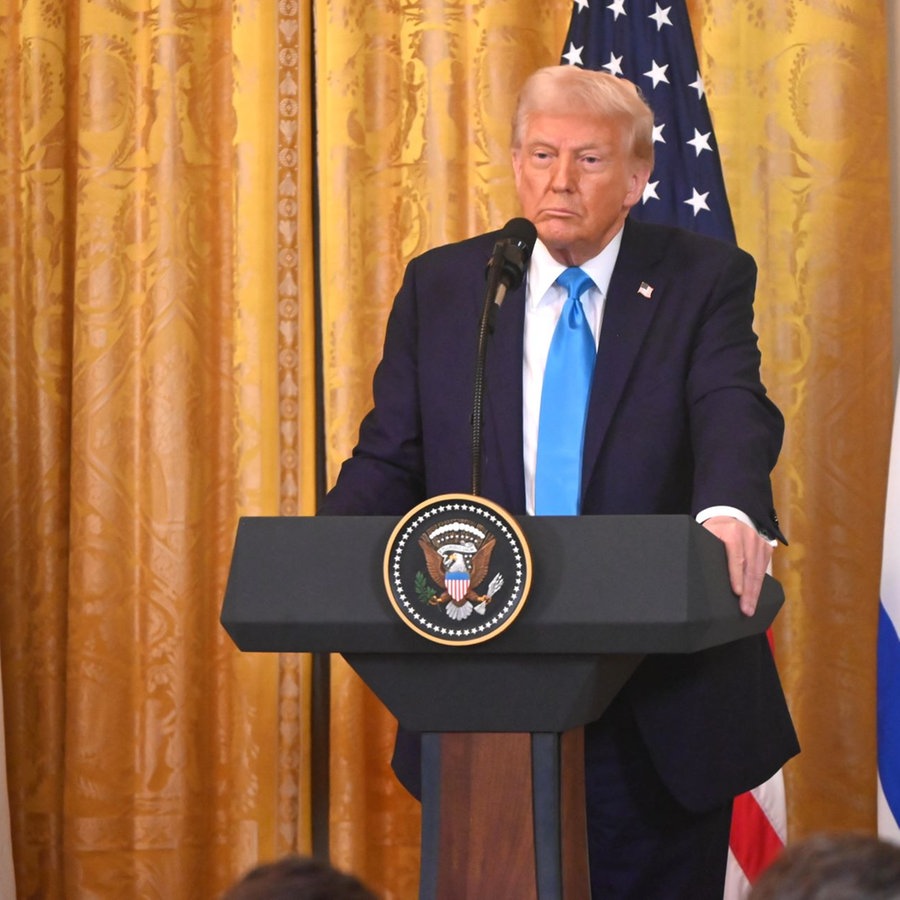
x=155, y=357
x=157, y=342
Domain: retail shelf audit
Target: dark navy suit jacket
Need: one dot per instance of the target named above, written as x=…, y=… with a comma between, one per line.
x=678, y=421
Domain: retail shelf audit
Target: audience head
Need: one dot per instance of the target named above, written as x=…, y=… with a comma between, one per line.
x=298, y=878
x=833, y=867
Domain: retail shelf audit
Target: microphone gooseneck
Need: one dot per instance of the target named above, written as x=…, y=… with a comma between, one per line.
x=505, y=271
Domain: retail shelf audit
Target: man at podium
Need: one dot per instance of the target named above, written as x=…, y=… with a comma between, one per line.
x=622, y=378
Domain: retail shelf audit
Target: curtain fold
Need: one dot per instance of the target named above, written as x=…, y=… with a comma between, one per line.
x=152, y=386
x=35, y=362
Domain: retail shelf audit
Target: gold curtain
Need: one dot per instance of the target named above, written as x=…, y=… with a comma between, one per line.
x=799, y=94
x=156, y=368
x=157, y=381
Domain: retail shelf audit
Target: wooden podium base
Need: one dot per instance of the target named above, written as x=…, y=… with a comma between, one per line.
x=503, y=816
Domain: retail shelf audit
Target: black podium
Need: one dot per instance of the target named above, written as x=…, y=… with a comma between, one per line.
x=605, y=592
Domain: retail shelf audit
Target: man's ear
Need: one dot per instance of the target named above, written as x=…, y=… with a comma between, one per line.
x=639, y=179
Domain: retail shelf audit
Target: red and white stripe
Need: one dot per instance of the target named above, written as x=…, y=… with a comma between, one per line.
x=758, y=830
x=758, y=835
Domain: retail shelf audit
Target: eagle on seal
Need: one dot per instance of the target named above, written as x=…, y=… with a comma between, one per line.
x=457, y=579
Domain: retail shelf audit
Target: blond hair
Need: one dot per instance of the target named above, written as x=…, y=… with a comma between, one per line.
x=569, y=89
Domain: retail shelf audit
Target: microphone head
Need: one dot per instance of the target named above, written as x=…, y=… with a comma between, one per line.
x=521, y=231
x=513, y=250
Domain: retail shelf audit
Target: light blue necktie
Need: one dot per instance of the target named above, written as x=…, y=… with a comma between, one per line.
x=564, y=401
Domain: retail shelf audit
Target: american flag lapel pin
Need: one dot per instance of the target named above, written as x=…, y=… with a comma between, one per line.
x=645, y=290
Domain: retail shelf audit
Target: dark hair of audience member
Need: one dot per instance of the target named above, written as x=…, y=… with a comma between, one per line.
x=298, y=878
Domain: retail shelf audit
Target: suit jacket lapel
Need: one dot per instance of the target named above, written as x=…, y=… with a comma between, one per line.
x=626, y=317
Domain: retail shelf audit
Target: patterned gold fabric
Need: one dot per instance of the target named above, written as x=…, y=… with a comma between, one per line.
x=799, y=93
x=155, y=290
x=157, y=380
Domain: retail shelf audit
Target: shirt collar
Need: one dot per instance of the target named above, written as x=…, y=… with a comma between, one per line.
x=543, y=270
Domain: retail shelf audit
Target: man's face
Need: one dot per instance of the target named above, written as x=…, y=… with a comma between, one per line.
x=576, y=180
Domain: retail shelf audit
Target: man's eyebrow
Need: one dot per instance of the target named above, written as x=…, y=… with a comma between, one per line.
x=592, y=146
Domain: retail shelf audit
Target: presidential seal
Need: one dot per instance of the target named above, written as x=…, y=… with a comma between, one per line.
x=457, y=569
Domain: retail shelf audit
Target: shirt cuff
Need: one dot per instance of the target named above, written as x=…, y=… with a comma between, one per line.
x=711, y=511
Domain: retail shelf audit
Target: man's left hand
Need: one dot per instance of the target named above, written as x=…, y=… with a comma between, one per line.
x=748, y=556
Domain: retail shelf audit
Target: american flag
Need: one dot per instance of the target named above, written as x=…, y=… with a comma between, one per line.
x=651, y=44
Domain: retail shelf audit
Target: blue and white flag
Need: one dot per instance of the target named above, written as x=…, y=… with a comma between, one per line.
x=652, y=45
x=889, y=653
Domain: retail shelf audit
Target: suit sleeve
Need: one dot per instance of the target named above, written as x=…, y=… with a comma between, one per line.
x=736, y=430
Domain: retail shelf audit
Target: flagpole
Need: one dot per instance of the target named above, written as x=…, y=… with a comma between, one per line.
x=7, y=872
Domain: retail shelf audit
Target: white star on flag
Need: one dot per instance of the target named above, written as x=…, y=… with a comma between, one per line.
x=657, y=73
x=582, y=4
x=614, y=66
x=697, y=85
x=618, y=8
x=657, y=133
x=650, y=192
x=573, y=57
x=661, y=17
x=698, y=201
x=700, y=141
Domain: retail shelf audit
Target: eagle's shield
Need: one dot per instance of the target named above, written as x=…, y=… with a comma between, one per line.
x=457, y=584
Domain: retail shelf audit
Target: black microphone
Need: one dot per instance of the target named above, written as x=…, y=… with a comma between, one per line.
x=510, y=258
